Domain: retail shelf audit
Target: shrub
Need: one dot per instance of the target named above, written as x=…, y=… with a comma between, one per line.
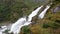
x=25, y=30
x=45, y=25
x=54, y=25
x=51, y=24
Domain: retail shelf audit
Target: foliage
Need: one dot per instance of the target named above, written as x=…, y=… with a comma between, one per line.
x=26, y=30
x=11, y=10
x=51, y=24
x=45, y=25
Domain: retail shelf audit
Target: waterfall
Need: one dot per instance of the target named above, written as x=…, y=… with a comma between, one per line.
x=34, y=13
x=22, y=22
x=16, y=26
x=2, y=29
x=41, y=15
x=0, y=32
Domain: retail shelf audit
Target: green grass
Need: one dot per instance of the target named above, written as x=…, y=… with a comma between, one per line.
x=15, y=10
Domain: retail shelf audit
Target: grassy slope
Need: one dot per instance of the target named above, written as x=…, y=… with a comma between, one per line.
x=38, y=27
x=13, y=10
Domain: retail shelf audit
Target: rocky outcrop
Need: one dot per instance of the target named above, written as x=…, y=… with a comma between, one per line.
x=56, y=9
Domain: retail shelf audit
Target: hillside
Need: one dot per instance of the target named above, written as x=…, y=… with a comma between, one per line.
x=12, y=10
x=50, y=24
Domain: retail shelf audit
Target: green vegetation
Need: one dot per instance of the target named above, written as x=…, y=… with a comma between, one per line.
x=50, y=24
x=53, y=25
x=45, y=25
x=11, y=10
x=26, y=30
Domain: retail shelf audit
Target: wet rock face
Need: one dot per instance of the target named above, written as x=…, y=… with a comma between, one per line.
x=57, y=9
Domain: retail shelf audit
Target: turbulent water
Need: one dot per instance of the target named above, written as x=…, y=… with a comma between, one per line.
x=16, y=27
x=2, y=29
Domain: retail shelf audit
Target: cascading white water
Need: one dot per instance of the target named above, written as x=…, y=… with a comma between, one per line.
x=41, y=15
x=2, y=29
x=16, y=26
x=0, y=32
x=22, y=22
x=34, y=13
